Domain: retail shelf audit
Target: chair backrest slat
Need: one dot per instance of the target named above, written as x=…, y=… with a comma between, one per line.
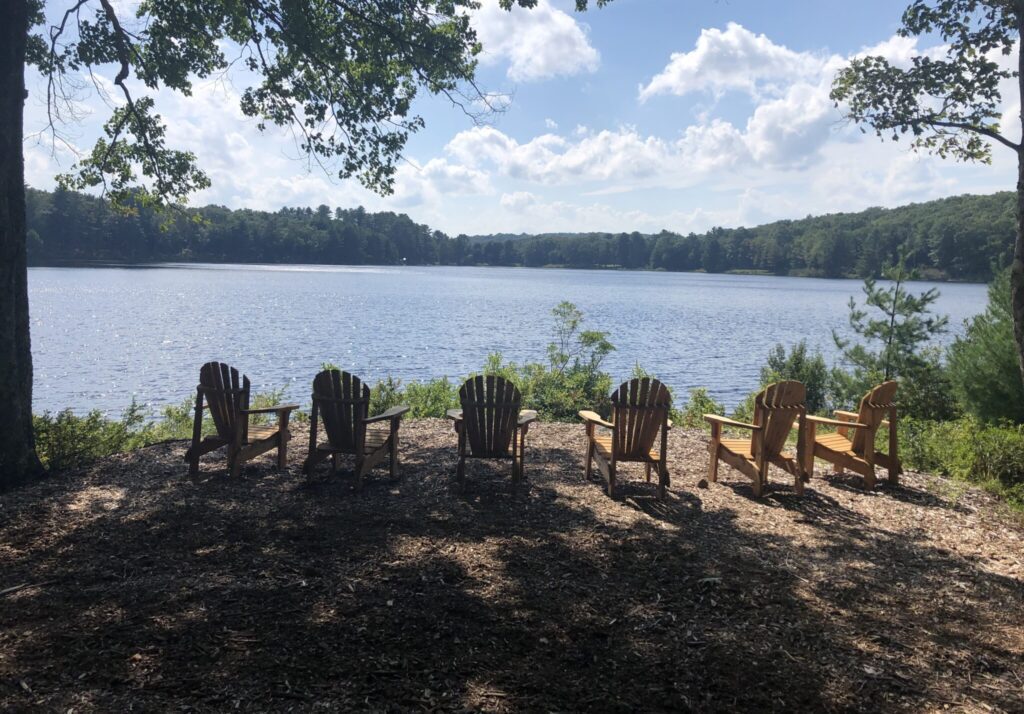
x=874, y=407
x=226, y=392
x=490, y=412
x=640, y=407
x=776, y=408
x=342, y=401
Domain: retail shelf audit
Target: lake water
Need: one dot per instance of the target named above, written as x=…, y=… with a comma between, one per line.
x=101, y=336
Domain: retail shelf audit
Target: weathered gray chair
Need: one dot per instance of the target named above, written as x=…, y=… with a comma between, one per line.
x=225, y=393
x=341, y=402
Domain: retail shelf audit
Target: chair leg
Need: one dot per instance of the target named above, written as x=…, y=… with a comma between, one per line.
x=758, y=484
x=869, y=477
x=359, y=474
x=193, y=459
x=234, y=465
x=647, y=471
x=663, y=479
x=334, y=464
x=460, y=470
x=611, y=479
x=713, y=463
x=394, y=456
x=590, y=460
x=282, y=452
x=522, y=456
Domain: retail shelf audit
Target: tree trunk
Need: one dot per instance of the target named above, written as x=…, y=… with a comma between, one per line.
x=18, y=460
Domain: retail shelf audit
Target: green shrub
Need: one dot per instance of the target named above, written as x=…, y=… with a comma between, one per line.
x=744, y=411
x=926, y=391
x=386, y=393
x=699, y=404
x=431, y=399
x=797, y=364
x=991, y=455
x=983, y=365
x=66, y=441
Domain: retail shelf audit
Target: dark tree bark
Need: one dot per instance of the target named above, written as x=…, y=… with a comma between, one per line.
x=18, y=460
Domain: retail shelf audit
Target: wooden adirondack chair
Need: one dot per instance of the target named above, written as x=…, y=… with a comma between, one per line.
x=342, y=402
x=640, y=409
x=226, y=395
x=859, y=454
x=776, y=409
x=490, y=424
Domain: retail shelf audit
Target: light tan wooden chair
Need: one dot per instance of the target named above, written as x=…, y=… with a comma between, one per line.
x=639, y=415
x=490, y=424
x=341, y=403
x=776, y=409
x=226, y=394
x=859, y=453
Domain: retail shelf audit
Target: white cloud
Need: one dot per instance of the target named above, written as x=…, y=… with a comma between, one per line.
x=731, y=59
x=538, y=43
x=552, y=159
x=518, y=200
x=789, y=131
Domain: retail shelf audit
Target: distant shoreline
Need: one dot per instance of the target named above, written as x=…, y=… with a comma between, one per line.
x=603, y=268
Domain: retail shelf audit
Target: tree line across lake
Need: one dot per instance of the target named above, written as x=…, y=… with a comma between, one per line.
x=960, y=238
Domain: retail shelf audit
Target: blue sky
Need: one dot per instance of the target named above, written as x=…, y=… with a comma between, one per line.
x=643, y=115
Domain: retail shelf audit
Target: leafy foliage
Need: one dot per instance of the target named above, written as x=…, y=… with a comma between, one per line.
x=949, y=105
x=983, y=364
x=341, y=75
x=797, y=364
x=991, y=455
x=699, y=404
x=65, y=441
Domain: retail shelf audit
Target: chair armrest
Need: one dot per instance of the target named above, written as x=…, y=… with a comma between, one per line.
x=593, y=418
x=392, y=413
x=842, y=414
x=268, y=410
x=527, y=416
x=454, y=414
x=836, y=422
x=712, y=418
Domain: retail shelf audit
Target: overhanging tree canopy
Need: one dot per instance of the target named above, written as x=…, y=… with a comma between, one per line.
x=342, y=73
x=950, y=104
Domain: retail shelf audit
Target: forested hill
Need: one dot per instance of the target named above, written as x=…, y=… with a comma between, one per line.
x=959, y=238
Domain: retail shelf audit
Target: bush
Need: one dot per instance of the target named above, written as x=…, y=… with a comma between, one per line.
x=424, y=399
x=386, y=393
x=983, y=365
x=67, y=441
x=926, y=392
x=798, y=365
x=991, y=455
x=699, y=404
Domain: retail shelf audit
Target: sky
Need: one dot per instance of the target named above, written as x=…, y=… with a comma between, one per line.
x=641, y=116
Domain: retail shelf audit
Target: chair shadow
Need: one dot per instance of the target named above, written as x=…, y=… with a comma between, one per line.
x=854, y=483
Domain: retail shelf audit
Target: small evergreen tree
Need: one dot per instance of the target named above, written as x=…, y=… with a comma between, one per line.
x=983, y=363
x=895, y=341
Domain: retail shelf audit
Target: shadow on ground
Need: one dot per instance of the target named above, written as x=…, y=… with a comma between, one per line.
x=280, y=591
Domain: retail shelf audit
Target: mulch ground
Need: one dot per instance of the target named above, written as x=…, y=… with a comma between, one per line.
x=130, y=586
